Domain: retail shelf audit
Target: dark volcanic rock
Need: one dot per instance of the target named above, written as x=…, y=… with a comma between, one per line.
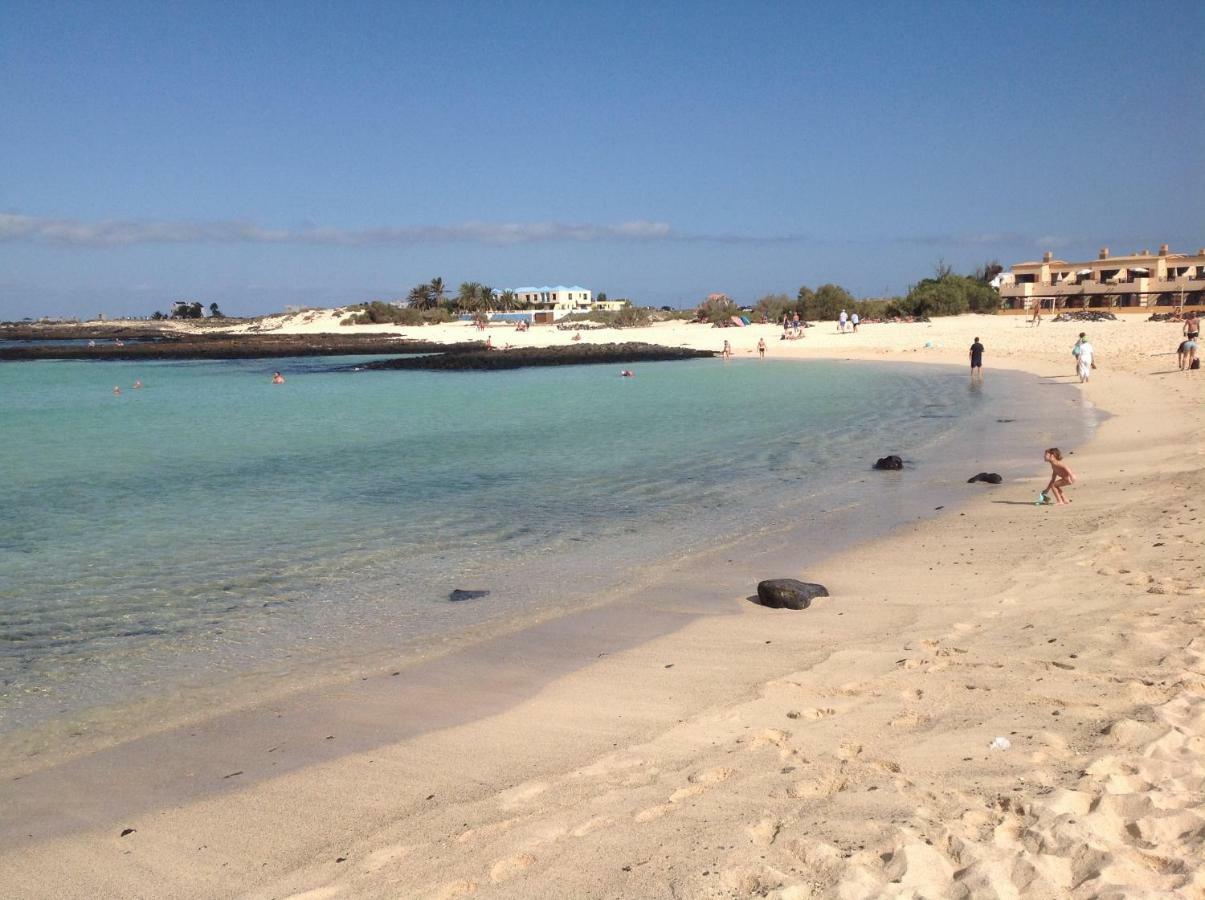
x=1085, y=315
x=989, y=477
x=889, y=463
x=788, y=593
x=522, y=357
x=240, y=346
x=458, y=594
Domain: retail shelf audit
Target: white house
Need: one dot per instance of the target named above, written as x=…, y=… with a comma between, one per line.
x=559, y=299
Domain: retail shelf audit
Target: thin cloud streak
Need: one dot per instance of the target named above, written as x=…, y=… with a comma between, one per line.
x=119, y=233
x=110, y=233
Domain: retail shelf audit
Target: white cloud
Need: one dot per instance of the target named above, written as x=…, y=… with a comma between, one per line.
x=122, y=233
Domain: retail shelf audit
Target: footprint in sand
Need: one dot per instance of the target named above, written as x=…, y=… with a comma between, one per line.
x=825, y=786
x=378, y=859
x=508, y=868
x=462, y=888
x=653, y=812
x=686, y=793
x=770, y=737
x=521, y=794
x=819, y=712
x=909, y=720
x=711, y=776
x=592, y=825
x=699, y=782
x=765, y=832
x=849, y=750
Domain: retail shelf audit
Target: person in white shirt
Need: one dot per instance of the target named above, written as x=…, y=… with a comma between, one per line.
x=1085, y=360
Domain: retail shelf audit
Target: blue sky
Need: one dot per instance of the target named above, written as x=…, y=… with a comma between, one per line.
x=263, y=154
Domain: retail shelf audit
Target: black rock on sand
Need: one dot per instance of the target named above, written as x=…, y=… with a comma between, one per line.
x=788, y=593
x=989, y=477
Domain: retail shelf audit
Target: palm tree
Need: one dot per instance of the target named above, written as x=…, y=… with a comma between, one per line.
x=437, y=291
x=214, y=311
x=419, y=297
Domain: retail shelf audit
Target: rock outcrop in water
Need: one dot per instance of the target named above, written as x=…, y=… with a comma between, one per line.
x=238, y=346
x=889, y=463
x=788, y=593
x=522, y=357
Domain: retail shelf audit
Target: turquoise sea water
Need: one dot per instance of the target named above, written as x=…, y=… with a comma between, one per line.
x=211, y=523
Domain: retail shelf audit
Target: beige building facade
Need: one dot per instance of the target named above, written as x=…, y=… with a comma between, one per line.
x=1138, y=281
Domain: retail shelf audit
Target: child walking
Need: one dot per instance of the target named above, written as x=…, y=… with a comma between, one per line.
x=1060, y=477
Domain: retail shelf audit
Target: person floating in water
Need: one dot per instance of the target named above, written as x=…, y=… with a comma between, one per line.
x=627, y=373
x=137, y=383
x=277, y=378
x=1060, y=477
x=116, y=391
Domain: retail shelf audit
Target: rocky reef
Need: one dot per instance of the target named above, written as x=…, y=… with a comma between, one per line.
x=522, y=357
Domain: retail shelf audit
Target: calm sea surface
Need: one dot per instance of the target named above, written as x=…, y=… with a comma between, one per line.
x=211, y=523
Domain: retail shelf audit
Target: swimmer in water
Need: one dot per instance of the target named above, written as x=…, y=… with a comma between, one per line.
x=116, y=391
x=277, y=378
x=137, y=383
x=627, y=373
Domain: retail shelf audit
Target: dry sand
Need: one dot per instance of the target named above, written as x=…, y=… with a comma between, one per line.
x=843, y=751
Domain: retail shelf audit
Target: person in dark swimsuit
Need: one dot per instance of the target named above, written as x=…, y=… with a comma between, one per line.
x=976, y=361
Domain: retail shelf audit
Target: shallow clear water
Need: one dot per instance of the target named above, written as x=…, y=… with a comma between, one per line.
x=211, y=522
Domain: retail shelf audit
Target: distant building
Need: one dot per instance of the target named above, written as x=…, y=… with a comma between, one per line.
x=1139, y=281
x=551, y=303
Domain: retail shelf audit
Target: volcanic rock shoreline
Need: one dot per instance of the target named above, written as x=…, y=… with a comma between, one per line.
x=166, y=345
x=523, y=357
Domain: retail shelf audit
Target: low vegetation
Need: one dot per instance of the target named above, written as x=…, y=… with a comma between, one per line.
x=627, y=317
x=380, y=313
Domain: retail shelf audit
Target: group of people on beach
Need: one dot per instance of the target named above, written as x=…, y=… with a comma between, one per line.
x=847, y=322
x=792, y=327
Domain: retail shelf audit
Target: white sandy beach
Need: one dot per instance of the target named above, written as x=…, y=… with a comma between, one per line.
x=843, y=751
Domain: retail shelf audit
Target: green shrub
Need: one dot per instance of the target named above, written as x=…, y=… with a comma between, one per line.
x=717, y=308
x=380, y=313
x=627, y=317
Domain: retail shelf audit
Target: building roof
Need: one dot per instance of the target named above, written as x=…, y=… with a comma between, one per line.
x=547, y=289
x=1109, y=262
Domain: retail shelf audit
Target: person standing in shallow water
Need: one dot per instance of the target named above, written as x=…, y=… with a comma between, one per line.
x=977, y=361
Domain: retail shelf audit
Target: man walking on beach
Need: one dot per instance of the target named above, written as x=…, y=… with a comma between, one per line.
x=1084, y=366
x=977, y=361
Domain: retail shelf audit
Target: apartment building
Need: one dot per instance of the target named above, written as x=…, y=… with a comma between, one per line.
x=1137, y=281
